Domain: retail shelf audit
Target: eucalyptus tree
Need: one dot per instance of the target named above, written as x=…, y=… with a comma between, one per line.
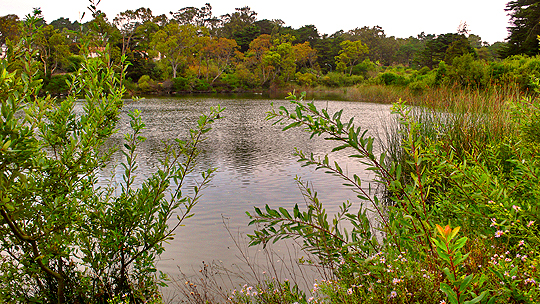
x=175, y=44
x=128, y=21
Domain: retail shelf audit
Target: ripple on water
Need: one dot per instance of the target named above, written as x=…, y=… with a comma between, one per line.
x=255, y=165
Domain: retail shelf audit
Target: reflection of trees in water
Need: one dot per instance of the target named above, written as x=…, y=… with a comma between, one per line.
x=242, y=141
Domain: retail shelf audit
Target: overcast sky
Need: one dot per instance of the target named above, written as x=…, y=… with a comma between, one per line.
x=400, y=18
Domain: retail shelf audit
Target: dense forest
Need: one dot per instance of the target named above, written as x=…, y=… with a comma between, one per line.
x=193, y=50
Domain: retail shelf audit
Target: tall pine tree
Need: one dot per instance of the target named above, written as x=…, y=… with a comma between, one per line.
x=524, y=27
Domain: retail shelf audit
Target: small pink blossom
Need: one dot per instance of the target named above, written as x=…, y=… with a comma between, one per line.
x=499, y=233
x=530, y=223
x=349, y=291
x=393, y=294
x=517, y=208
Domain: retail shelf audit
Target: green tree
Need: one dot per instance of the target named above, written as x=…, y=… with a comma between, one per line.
x=381, y=48
x=307, y=33
x=351, y=53
x=286, y=63
x=240, y=26
x=127, y=23
x=327, y=49
x=407, y=50
x=64, y=23
x=53, y=48
x=196, y=16
x=174, y=43
x=524, y=28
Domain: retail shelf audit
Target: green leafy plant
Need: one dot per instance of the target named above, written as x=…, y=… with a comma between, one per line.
x=64, y=238
x=388, y=246
x=449, y=251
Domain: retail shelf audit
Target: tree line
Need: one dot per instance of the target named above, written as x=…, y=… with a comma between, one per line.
x=191, y=49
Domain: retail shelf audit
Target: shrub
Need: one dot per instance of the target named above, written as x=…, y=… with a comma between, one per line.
x=336, y=79
x=200, y=85
x=468, y=72
x=57, y=84
x=70, y=240
x=146, y=84
x=495, y=213
x=75, y=62
x=390, y=78
x=364, y=68
x=306, y=79
x=181, y=84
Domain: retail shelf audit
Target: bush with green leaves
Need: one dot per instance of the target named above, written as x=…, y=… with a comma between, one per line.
x=336, y=80
x=386, y=248
x=64, y=237
x=57, y=84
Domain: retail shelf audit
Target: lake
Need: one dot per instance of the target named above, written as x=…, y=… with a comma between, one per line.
x=255, y=167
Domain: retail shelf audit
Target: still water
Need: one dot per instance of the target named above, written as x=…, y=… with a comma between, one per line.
x=255, y=166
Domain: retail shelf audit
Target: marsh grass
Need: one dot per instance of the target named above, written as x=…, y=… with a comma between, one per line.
x=465, y=121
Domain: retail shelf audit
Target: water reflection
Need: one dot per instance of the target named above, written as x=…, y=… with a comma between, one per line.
x=255, y=166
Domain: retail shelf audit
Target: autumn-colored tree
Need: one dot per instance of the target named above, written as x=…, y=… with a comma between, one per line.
x=351, y=53
x=222, y=53
x=304, y=55
x=258, y=48
x=9, y=28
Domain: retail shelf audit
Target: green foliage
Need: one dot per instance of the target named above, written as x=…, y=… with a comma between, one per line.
x=183, y=84
x=390, y=78
x=75, y=62
x=523, y=29
x=495, y=208
x=336, y=80
x=58, y=84
x=351, y=53
x=468, y=72
x=146, y=84
x=65, y=238
x=306, y=79
x=364, y=68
